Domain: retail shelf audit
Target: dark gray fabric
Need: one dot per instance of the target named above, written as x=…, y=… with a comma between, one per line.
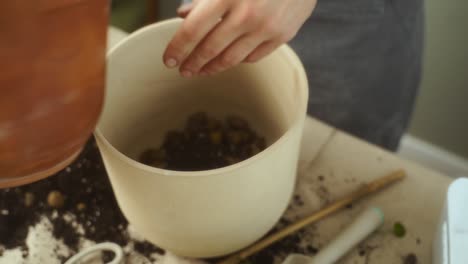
x=363, y=61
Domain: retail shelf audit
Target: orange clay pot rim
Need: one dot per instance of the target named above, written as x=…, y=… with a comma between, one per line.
x=22, y=180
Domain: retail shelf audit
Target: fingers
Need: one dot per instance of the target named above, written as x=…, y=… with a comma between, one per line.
x=233, y=55
x=219, y=34
x=185, y=9
x=199, y=22
x=213, y=45
x=263, y=50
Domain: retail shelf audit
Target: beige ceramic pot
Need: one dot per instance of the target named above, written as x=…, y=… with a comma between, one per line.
x=203, y=213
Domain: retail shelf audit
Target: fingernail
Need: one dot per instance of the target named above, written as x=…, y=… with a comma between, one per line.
x=187, y=73
x=171, y=63
x=184, y=8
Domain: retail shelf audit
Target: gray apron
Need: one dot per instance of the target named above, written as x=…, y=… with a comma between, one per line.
x=363, y=61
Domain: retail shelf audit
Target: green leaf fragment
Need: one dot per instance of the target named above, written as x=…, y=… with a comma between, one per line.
x=399, y=229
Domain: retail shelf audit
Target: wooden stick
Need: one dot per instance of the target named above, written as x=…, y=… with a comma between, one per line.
x=365, y=190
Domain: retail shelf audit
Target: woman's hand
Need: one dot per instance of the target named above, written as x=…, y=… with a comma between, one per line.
x=219, y=34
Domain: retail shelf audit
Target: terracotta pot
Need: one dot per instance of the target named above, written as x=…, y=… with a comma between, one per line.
x=51, y=83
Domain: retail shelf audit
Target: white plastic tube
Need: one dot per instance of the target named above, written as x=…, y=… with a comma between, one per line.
x=366, y=223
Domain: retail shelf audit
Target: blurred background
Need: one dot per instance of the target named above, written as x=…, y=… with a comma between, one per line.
x=438, y=134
